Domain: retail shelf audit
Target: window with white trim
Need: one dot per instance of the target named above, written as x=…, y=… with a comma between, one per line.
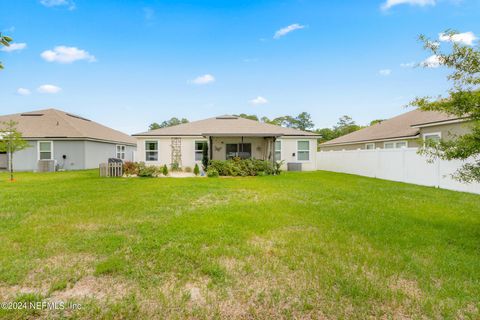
x=278, y=150
x=45, y=150
x=121, y=152
x=389, y=145
x=370, y=146
x=303, y=150
x=151, y=150
x=433, y=136
x=199, y=145
x=401, y=144
x=395, y=145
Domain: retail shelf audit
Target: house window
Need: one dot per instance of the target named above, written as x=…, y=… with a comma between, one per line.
x=389, y=145
x=151, y=150
x=121, y=152
x=303, y=150
x=370, y=146
x=199, y=146
x=45, y=150
x=434, y=137
x=241, y=150
x=278, y=150
x=401, y=144
x=395, y=145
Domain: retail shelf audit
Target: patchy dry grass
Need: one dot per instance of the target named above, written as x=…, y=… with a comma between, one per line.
x=303, y=245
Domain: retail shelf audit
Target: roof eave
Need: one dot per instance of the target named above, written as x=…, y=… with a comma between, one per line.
x=56, y=138
x=437, y=123
x=326, y=144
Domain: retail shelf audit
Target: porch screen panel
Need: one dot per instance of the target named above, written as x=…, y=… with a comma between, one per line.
x=232, y=150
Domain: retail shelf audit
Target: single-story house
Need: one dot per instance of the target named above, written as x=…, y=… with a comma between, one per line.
x=404, y=131
x=226, y=137
x=65, y=140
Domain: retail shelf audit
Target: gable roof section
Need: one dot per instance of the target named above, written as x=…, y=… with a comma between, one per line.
x=396, y=127
x=56, y=124
x=226, y=126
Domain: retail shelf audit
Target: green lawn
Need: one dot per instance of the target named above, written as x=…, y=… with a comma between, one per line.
x=300, y=245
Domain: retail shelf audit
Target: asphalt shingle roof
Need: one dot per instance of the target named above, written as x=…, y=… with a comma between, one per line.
x=52, y=123
x=226, y=126
x=396, y=127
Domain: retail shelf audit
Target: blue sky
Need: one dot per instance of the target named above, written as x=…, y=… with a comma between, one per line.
x=129, y=63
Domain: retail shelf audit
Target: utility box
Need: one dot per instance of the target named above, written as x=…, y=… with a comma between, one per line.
x=294, y=166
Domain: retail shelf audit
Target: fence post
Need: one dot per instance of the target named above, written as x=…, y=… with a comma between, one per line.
x=437, y=171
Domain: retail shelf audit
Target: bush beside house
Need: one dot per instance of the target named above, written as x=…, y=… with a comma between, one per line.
x=235, y=167
x=242, y=167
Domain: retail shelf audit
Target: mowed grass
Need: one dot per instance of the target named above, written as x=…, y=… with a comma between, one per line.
x=300, y=245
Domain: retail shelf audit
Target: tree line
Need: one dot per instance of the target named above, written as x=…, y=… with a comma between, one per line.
x=303, y=121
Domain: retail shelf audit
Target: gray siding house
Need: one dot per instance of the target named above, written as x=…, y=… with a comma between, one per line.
x=404, y=131
x=71, y=141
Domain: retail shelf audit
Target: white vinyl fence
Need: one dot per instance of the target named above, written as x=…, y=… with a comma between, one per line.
x=403, y=165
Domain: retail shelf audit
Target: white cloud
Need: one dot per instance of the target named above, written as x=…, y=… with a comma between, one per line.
x=385, y=72
x=408, y=64
x=14, y=47
x=259, y=100
x=280, y=33
x=466, y=38
x=59, y=3
x=23, y=91
x=48, y=88
x=391, y=3
x=63, y=54
x=432, y=62
x=205, y=79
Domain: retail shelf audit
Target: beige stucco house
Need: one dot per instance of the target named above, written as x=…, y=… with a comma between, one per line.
x=404, y=131
x=226, y=137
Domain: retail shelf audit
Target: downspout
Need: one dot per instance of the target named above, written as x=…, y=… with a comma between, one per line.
x=272, y=150
x=242, y=147
x=210, y=147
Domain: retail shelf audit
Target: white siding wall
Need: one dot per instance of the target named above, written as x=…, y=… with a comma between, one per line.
x=99, y=152
x=403, y=165
x=290, y=152
x=289, y=147
x=165, y=151
x=79, y=154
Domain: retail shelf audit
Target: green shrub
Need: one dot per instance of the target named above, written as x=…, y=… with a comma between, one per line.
x=130, y=168
x=244, y=167
x=212, y=172
x=187, y=169
x=205, y=156
x=147, y=171
x=175, y=166
x=276, y=167
x=196, y=170
x=165, y=170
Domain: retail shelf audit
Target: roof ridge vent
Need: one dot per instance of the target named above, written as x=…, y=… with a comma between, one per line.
x=226, y=117
x=31, y=114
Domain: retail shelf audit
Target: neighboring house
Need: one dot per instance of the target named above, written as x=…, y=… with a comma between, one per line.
x=71, y=141
x=404, y=131
x=226, y=137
